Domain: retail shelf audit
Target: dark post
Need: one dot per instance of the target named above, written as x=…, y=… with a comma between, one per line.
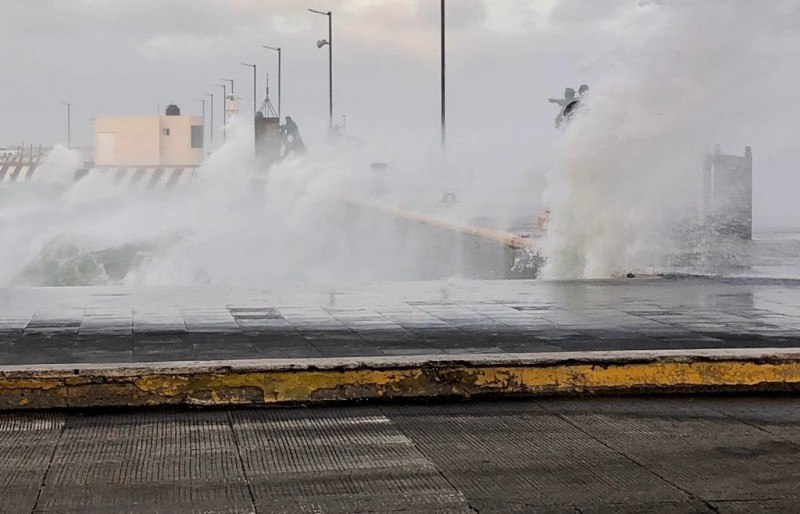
x=211, y=126
x=444, y=126
x=330, y=69
x=255, y=78
x=320, y=44
x=224, y=111
x=69, y=124
x=231, y=81
x=278, y=49
x=748, y=183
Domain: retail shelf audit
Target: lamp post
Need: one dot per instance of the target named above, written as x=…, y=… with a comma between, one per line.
x=278, y=49
x=211, y=126
x=203, y=101
x=255, y=78
x=224, y=111
x=225, y=103
x=231, y=81
x=69, y=124
x=320, y=44
x=444, y=125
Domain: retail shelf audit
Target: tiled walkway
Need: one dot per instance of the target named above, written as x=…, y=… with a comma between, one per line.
x=123, y=325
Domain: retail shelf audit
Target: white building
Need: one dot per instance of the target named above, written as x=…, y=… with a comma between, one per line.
x=141, y=141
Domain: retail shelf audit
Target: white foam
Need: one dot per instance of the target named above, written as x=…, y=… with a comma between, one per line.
x=629, y=166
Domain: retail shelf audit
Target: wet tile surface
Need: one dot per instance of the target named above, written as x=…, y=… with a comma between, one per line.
x=679, y=454
x=107, y=325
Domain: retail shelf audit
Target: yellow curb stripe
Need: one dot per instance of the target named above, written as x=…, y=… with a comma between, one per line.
x=48, y=389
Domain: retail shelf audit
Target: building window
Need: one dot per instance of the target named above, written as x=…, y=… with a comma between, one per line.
x=197, y=136
x=165, y=131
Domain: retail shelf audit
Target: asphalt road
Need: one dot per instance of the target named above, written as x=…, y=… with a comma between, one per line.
x=556, y=455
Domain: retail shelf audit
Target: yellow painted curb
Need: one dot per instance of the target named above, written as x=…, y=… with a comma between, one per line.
x=265, y=382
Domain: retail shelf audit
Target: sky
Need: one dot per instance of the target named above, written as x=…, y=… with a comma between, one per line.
x=505, y=58
x=120, y=57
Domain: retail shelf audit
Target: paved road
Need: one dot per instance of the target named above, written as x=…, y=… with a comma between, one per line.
x=123, y=325
x=579, y=455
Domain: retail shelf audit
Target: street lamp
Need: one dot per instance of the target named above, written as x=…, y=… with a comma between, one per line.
x=211, y=126
x=224, y=111
x=231, y=81
x=255, y=78
x=444, y=132
x=203, y=101
x=320, y=44
x=69, y=124
x=278, y=49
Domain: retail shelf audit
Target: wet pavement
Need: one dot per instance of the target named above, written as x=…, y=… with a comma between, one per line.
x=123, y=325
x=701, y=454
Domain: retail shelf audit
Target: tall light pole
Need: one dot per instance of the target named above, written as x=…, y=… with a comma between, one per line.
x=444, y=124
x=255, y=79
x=320, y=44
x=278, y=49
x=203, y=101
x=231, y=81
x=69, y=124
x=225, y=104
x=224, y=111
x=212, y=118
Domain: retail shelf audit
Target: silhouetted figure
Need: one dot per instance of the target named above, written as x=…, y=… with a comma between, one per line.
x=568, y=104
x=569, y=96
x=290, y=136
x=290, y=127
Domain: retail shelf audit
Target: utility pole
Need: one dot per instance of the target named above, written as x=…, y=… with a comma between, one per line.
x=330, y=68
x=231, y=81
x=203, y=101
x=212, y=118
x=444, y=122
x=69, y=124
x=224, y=111
x=255, y=78
x=329, y=43
x=278, y=49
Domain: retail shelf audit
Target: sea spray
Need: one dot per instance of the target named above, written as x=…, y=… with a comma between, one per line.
x=233, y=223
x=628, y=170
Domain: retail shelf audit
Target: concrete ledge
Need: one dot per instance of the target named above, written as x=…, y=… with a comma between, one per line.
x=255, y=382
x=505, y=238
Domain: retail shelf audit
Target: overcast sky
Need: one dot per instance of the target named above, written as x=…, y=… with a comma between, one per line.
x=505, y=57
x=109, y=57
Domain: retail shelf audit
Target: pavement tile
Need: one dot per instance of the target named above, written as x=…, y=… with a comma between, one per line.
x=42, y=326
x=698, y=449
x=755, y=507
x=343, y=460
x=527, y=457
